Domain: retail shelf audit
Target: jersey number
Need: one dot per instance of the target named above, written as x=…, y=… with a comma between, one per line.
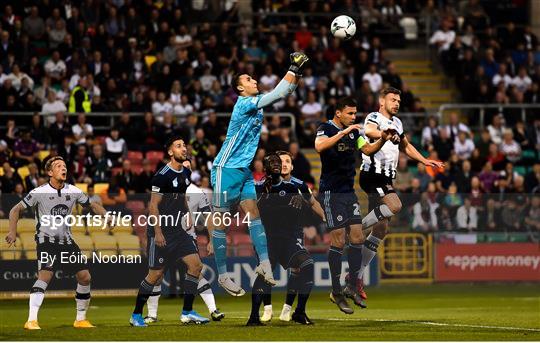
x=356, y=210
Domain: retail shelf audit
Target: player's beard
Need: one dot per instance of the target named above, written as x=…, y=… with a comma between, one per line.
x=179, y=159
x=391, y=111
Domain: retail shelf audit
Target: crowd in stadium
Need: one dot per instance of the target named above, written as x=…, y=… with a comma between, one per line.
x=58, y=57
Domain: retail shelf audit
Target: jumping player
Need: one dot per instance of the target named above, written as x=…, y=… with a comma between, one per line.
x=199, y=208
x=231, y=178
x=337, y=142
x=377, y=173
x=169, y=243
x=55, y=198
x=286, y=170
x=280, y=203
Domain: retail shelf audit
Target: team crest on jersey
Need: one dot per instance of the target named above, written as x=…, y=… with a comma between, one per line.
x=155, y=189
x=68, y=198
x=339, y=218
x=282, y=193
x=351, y=135
x=187, y=182
x=175, y=182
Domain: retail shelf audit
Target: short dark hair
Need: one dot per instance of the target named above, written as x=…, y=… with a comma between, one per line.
x=347, y=101
x=235, y=82
x=283, y=152
x=171, y=140
x=389, y=90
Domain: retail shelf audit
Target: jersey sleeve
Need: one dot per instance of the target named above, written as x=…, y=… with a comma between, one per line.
x=372, y=118
x=31, y=199
x=82, y=198
x=305, y=191
x=158, y=185
x=204, y=203
x=259, y=187
x=324, y=130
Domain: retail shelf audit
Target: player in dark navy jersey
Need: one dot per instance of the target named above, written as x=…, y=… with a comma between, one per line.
x=337, y=142
x=286, y=170
x=279, y=203
x=169, y=242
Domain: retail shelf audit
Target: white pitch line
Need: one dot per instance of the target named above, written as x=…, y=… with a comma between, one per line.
x=414, y=322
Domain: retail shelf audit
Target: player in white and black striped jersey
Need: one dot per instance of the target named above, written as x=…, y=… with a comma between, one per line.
x=56, y=248
x=379, y=170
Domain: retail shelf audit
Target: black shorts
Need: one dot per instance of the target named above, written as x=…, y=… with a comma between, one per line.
x=177, y=245
x=65, y=257
x=282, y=250
x=376, y=187
x=341, y=209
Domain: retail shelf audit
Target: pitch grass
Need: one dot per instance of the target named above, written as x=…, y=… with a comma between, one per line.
x=396, y=312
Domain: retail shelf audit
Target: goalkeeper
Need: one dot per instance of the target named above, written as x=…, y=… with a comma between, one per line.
x=232, y=180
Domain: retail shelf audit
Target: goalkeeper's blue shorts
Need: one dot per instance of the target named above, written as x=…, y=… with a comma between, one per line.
x=231, y=186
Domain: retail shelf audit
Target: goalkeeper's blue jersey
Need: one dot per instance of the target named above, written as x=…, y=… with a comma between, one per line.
x=243, y=134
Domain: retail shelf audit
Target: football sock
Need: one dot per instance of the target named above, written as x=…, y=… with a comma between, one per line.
x=145, y=289
x=219, y=241
x=334, y=262
x=205, y=291
x=376, y=215
x=258, y=238
x=354, y=256
x=267, y=299
x=190, y=290
x=37, y=294
x=259, y=288
x=369, y=250
x=292, y=289
x=82, y=298
x=305, y=280
x=153, y=301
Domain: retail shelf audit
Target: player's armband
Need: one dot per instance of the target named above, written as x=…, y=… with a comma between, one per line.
x=360, y=142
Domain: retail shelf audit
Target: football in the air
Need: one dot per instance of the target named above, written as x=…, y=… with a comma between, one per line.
x=343, y=27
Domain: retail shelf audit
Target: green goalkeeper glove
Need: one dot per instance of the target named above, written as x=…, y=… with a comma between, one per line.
x=298, y=60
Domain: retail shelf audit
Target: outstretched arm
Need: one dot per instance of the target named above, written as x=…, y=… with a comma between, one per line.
x=411, y=151
x=288, y=84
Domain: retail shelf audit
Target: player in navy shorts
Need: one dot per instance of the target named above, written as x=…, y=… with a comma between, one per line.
x=337, y=142
x=280, y=202
x=169, y=243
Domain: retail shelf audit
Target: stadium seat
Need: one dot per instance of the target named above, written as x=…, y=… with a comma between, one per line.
x=85, y=243
x=100, y=188
x=135, y=157
x=122, y=228
x=4, y=225
x=518, y=237
x=105, y=244
x=82, y=186
x=10, y=253
x=43, y=154
x=26, y=225
x=242, y=244
x=129, y=244
x=79, y=228
x=496, y=237
x=23, y=172
x=116, y=171
x=154, y=156
x=1, y=171
x=137, y=168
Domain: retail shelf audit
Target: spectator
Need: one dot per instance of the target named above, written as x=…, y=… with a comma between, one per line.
x=116, y=148
x=17, y=76
x=34, y=25
x=52, y=106
x=502, y=77
x=82, y=130
x=269, y=80
x=467, y=217
x=511, y=216
x=374, y=78
x=404, y=176
x=532, y=215
x=81, y=165
x=430, y=132
x=184, y=108
x=522, y=81
x=258, y=170
x=487, y=177
x=199, y=145
x=444, y=179
x=455, y=127
x=311, y=110
x=31, y=181
x=532, y=179
x=496, y=129
x=26, y=150
x=422, y=176
x=8, y=181
x=509, y=147
x=484, y=142
x=464, y=146
x=301, y=166
x=79, y=100
x=142, y=181
x=126, y=178
x=55, y=68
x=424, y=214
x=443, y=37
x=443, y=145
x=100, y=165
